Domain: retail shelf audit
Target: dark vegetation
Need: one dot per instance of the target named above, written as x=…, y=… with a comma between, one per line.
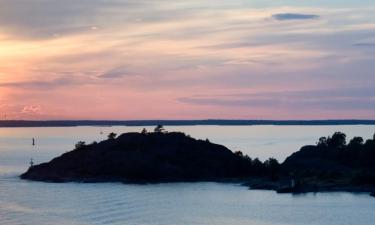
x=334, y=163
x=159, y=156
x=330, y=165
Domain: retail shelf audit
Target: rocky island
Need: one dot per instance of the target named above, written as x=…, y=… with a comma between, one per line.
x=330, y=165
x=148, y=157
x=142, y=157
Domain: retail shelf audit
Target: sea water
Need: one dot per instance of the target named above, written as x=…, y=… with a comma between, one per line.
x=27, y=202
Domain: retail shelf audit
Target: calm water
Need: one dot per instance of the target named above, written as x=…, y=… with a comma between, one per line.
x=24, y=202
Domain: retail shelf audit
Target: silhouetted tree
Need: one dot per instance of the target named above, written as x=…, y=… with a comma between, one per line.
x=258, y=166
x=272, y=164
x=239, y=153
x=159, y=129
x=80, y=144
x=322, y=142
x=272, y=167
x=112, y=136
x=338, y=140
x=355, y=142
x=247, y=158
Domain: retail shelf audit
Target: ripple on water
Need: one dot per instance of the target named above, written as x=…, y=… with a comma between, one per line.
x=35, y=203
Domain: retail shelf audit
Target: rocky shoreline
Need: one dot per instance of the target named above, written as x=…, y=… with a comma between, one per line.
x=283, y=186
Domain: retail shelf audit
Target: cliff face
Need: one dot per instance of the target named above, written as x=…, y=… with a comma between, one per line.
x=136, y=157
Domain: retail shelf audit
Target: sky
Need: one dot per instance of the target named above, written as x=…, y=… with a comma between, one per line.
x=213, y=59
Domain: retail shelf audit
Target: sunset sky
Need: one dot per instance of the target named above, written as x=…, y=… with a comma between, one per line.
x=187, y=59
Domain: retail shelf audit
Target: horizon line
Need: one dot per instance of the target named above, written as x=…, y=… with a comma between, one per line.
x=183, y=122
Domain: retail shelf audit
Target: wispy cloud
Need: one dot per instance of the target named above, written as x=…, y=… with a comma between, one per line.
x=294, y=16
x=339, y=99
x=43, y=85
x=115, y=73
x=58, y=53
x=365, y=44
x=32, y=109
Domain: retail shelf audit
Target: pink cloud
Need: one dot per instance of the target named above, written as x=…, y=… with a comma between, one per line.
x=184, y=61
x=32, y=109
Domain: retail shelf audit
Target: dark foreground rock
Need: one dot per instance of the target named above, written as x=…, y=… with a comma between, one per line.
x=136, y=157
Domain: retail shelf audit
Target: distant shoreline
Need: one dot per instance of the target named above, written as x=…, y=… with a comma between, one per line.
x=75, y=123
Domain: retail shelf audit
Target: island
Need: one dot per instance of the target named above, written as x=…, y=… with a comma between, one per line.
x=142, y=157
x=160, y=156
x=330, y=165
